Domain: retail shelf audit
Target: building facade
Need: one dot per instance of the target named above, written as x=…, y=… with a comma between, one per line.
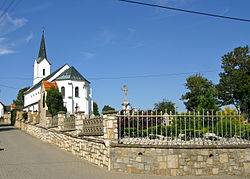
x=76, y=90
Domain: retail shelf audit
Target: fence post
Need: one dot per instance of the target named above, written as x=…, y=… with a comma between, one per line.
x=110, y=127
x=61, y=117
x=35, y=117
x=79, y=121
x=48, y=120
x=30, y=116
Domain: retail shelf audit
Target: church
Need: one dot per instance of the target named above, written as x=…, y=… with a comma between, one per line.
x=75, y=89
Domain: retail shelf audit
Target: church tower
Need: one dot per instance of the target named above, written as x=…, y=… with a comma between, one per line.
x=41, y=64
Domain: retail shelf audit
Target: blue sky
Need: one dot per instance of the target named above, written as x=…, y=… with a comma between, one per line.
x=103, y=39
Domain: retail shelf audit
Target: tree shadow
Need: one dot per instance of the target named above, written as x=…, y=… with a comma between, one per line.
x=6, y=127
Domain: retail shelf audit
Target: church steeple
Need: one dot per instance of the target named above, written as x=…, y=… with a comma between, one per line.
x=42, y=51
x=41, y=64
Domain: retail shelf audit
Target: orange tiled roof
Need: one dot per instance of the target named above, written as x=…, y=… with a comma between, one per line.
x=13, y=105
x=47, y=85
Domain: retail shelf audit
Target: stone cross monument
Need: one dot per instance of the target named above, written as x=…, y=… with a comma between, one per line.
x=125, y=105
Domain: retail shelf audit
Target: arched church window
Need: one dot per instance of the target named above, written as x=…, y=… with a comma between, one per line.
x=43, y=72
x=63, y=91
x=43, y=100
x=76, y=92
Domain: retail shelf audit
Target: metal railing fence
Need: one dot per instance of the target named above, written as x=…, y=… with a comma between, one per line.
x=191, y=128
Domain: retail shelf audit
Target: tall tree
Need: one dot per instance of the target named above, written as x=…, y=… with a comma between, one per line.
x=54, y=101
x=234, y=85
x=95, y=109
x=20, y=99
x=201, y=95
x=107, y=108
x=164, y=106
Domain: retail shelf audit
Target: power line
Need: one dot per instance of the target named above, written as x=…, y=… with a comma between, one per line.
x=5, y=11
x=150, y=76
x=14, y=7
x=134, y=76
x=188, y=11
x=8, y=86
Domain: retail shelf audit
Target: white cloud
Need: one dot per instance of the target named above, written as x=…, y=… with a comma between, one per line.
x=9, y=24
x=4, y=51
x=226, y=10
x=172, y=2
x=138, y=45
x=29, y=37
x=88, y=55
x=5, y=47
x=131, y=30
x=108, y=36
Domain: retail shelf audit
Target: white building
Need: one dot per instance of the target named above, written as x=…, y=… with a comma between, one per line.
x=76, y=90
x=1, y=109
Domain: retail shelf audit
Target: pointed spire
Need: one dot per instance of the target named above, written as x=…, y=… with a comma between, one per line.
x=42, y=51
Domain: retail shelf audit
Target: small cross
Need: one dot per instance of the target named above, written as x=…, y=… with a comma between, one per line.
x=77, y=107
x=125, y=89
x=43, y=29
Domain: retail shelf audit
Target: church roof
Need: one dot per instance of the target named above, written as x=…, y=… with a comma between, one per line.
x=44, y=79
x=71, y=74
x=42, y=52
x=47, y=85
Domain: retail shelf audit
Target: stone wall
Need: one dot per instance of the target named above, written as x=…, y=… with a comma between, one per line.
x=181, y=160
x=92, y=150
x=170, y=160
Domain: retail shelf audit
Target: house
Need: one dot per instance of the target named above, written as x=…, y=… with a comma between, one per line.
x=4, y=109
x=75, y=89
x=1, y=109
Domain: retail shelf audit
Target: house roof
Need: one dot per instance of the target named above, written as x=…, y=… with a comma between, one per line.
x=44, y=79
x=47, y=85
x=2, y=104
x=71, y=74
x=42, y=52
x=7, y=108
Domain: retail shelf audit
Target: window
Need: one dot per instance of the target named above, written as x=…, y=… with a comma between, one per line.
x=43, y=72
x=63, y=91
x=43, y=100
x=76, y=92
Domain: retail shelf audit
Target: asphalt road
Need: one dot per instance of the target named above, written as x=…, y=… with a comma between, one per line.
x=24, y=156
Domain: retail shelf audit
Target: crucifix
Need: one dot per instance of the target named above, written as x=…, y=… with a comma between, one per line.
x=125, y=89
x=76, y=107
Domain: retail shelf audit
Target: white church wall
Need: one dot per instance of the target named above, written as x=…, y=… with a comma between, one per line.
x=31, y=98
x=41, y=70
x=83, y=101
x=1, y=110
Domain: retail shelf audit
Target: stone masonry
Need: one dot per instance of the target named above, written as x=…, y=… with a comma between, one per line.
x=105, y=151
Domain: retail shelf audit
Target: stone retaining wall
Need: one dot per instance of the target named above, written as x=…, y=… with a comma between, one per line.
x=173, y=161
x=148, y=159
x=93, y=151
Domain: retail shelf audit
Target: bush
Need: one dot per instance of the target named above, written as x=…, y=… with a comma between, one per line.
x=13, y=116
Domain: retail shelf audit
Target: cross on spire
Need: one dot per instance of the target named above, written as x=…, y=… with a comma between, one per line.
x=125, y=89
x=43, y=29
x=42, y=51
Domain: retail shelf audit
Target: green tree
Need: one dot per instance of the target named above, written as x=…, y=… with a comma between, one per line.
x=234, y=85
x=20, y=99
x=107, y=108
x=165, y=105
x=13, y=116
x=54, y=101
x=202, y=94
x=95, y=109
